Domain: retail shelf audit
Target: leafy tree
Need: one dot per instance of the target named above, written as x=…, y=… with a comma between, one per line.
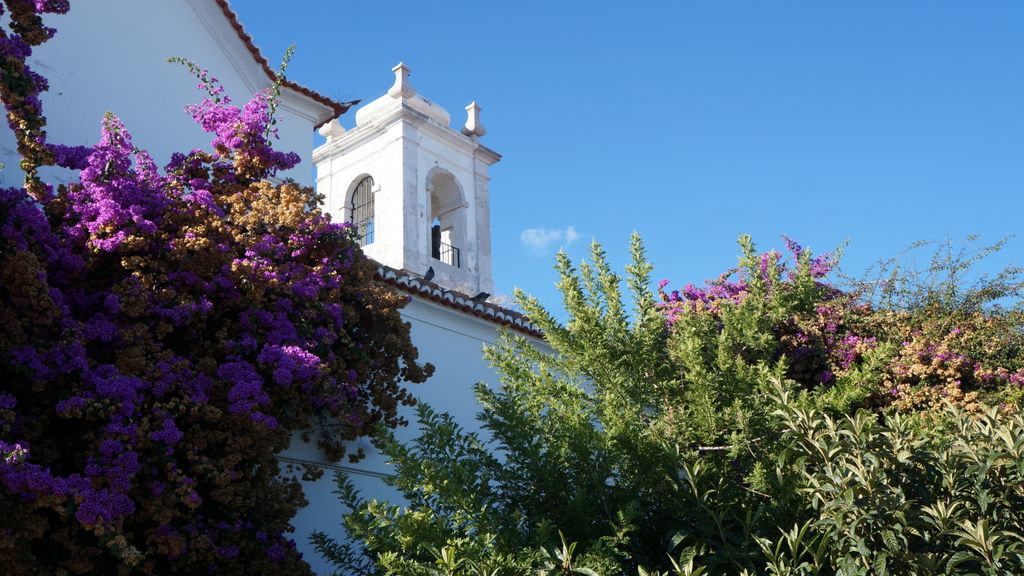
x=703, y=431
x=588, y=440
x=165, y=333
x=888, y=497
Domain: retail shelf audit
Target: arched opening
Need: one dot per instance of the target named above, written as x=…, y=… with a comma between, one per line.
x=447, y=218
x=361, y=210
x=441, y=246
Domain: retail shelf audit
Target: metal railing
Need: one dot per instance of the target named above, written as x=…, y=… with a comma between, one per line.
x=448, y=254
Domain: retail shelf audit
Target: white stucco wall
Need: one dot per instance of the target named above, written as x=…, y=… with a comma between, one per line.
x=403, y=141
x=379, y=153
x=110, y=55
x=453, y=342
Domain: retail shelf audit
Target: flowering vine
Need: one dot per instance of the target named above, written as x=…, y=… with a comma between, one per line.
x=166, y=332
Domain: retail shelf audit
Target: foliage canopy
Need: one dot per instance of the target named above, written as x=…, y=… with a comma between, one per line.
x=765, y=423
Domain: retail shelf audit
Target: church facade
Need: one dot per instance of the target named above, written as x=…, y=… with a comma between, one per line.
x=417, y=191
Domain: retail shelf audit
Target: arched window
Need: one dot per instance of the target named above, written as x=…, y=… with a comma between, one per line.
x=362, y=210
x=447, y=217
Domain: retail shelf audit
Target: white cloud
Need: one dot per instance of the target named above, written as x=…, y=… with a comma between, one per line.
x=540, y=239
x=571, y=235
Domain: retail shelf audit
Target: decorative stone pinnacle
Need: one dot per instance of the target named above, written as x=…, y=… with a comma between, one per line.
x=331, y=129
x=473, y=126
x=402, y=88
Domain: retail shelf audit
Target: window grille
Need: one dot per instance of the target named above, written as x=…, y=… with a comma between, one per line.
x=441, y=250
x=362, y=211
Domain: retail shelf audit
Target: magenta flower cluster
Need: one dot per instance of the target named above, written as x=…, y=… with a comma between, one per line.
x=735, y=285
x=810, y=326
x=237, y=128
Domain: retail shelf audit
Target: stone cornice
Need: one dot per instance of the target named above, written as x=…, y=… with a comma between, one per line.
x=402, y=113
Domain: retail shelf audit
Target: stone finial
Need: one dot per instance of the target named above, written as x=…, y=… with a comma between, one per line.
x=473, y=126
x=331, y=129
x=402, y=88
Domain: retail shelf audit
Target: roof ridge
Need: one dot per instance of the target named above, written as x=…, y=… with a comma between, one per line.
x=338, y=108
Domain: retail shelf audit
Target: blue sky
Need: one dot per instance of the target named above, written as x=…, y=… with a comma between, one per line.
x=880, y=123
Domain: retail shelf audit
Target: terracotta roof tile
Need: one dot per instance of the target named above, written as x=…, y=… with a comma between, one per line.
x=424, y=288
x=338, y=108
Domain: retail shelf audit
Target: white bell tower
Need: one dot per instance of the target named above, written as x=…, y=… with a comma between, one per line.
x=415, y=188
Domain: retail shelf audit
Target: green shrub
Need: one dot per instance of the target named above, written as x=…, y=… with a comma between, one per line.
x=698, y=435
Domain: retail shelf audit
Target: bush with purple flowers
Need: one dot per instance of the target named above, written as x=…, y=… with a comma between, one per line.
x=165, y=333
x=914, y=343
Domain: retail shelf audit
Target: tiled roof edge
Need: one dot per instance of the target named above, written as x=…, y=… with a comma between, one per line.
x=338, y=108
x=452, y=299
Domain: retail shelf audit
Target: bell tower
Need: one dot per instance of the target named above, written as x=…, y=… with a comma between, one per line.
x=415, y=189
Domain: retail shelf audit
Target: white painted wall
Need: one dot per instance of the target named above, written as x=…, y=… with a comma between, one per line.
x=403, y=141
x=109, y=55
x=453, y=342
